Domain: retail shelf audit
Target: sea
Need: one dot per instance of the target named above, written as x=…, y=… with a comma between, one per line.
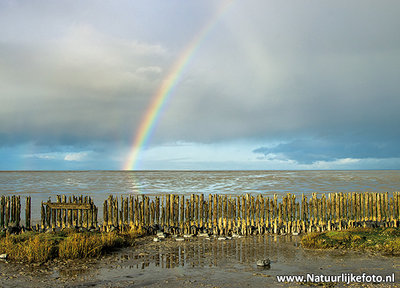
x=42, y=185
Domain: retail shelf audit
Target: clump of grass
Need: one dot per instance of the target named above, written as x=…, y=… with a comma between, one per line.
x=80, y=246
x=28, y=248
x=67, y=244
x=385, y=240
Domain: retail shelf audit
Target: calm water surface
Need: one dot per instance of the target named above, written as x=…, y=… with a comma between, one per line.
x=100, y=184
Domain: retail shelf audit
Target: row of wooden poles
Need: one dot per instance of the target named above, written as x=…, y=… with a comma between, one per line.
x=249, y=214
x=217, y=214
x=10, y=211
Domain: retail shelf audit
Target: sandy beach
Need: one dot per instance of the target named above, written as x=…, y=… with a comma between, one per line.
x=199, y=262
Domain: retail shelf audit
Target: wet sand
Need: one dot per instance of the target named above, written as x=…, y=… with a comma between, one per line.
x=199, y=262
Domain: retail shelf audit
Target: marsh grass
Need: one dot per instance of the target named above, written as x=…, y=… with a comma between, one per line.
x=68, y=244
x=384, y=240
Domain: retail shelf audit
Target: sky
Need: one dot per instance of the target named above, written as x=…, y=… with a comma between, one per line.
x=267, y=85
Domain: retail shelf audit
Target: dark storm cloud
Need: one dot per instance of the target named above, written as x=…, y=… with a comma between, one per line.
x=321, y=77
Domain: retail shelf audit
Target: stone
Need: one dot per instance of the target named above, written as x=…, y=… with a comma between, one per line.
x=179, y=239
x=203, y=235
x=264, y=263
x=156, y=239
x=295, y=233
x=3, y=256
x=221, y=238
x=188, y=235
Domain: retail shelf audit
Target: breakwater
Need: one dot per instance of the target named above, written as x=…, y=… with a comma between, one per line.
x=215, y=214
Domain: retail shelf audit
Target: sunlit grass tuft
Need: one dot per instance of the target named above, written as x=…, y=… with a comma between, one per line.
x=384, y=240
x=68, y=244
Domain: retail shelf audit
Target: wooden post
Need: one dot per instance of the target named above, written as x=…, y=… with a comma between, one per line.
x=210, y=212
x=2, y=211
x=105, y=215
x=132, y=212
x=182, y=215
x=244, y=221
x=64, y=212
x=69, y=212
x=7, y=217
x=42, y=217
x=201, y=211
x=152, y=213
x=27, y=213
x=157, y=221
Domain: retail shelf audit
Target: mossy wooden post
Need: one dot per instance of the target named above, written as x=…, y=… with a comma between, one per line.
x=79, y=218
x=157, y=211
x=152, y=213
x=386, y=207
x=395, y=208
x=187, y=217
x=69, y=213
x=201, y=211
x=196, y=211
x=219, y=212
x=64, y=212
x=257, y=214
x=223, y=212
x=248, y=214
x=210, y=212
x=243, y=218
x=42, y=217
x=147, y=210
x=182, y=214
x=262, y=214
x=96, y=210
x=267, y=208
x=176, y=213
x=27, y=213
x=283, y=211
x=370, y=206
x=167, y=204
x=192, y=216
x=90, y=214
x=137, y=212
x=58, y=213
x=105, y=215
x=238, y=220
x=11, y=210
x=116, y=212
x=7, y=216
x=18, y=220
x=110, y=217
x=270, y=212
x=2, y=211
x=121, y=214
x=206, y=214
x=48, y=216
x=172, y=208
x=162, y=212
x=379, y=206
x=132, y=212
x=85, y=215
x=233, y=215
x=126, y=212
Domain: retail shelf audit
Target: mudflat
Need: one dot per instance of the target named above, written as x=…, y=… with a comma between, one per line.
x=202, y=262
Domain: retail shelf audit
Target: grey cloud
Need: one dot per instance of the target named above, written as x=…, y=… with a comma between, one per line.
x=308, y=151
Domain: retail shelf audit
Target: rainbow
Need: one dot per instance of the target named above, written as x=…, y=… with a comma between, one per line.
x=164, y=92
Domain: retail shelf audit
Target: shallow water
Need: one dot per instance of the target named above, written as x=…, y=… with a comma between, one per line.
x=100, y=184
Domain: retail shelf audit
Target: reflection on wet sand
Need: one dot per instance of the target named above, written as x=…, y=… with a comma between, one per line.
x=209, y=253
